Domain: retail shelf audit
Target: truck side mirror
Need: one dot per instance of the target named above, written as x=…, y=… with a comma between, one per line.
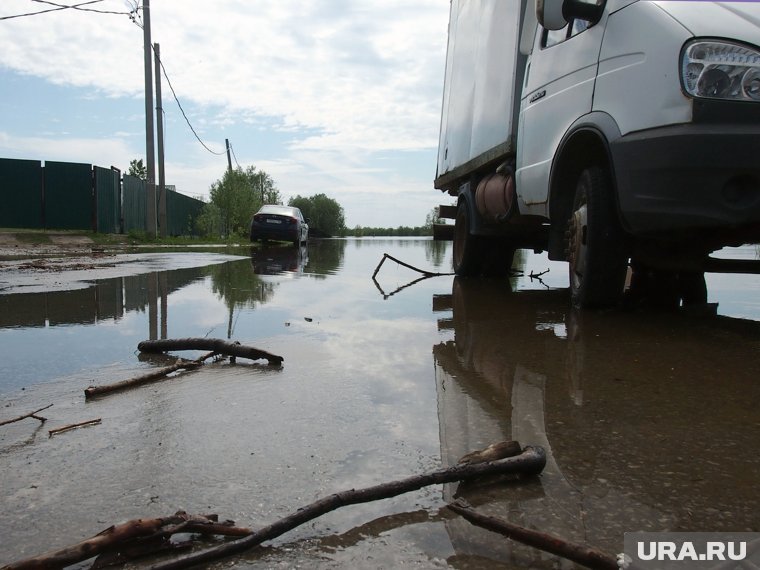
x=588, y=10
x=549, y=14
x=555, y=14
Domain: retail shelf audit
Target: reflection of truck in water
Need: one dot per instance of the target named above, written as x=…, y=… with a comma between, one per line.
x=602, y=131
x=647, y=419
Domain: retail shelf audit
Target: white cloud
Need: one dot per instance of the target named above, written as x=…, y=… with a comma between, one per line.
x=360, y=71
x=59, y=147
x=344, y=80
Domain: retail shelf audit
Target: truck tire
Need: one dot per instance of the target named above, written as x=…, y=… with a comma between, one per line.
x=664, y=289
x=467, y=251
x=596, y=248
x=692, y=288
x=497, y=257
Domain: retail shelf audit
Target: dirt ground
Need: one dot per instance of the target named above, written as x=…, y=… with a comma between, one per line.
x=19, y=244
x=36, y=261
x=30, y=259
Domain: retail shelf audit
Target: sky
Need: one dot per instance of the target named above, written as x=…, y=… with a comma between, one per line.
x=341, y=97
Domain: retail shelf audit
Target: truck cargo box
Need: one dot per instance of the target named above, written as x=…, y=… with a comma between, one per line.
x=484, y=71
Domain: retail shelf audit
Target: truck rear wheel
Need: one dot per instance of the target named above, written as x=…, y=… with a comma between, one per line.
x=497, y=257
x=467, y=251
x=665, y=289
x=596, y=249
x=490, y=256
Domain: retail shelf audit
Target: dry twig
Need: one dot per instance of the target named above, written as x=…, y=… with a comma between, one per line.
x=412, y=267
x=181, y=364
x=425, y=275
x=129, y=535
x=583, y=555
x=143, y=533
x=29, y=415
x=217, y=345
x=69, y=427
x=530, y=462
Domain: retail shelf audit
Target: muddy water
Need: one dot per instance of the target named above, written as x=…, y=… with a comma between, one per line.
x=649, y=419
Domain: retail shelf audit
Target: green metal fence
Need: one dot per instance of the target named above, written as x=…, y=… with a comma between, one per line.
x=66, y=195
x=134, y=201
x=107, y=200
x=181, y=214
x=21, y=193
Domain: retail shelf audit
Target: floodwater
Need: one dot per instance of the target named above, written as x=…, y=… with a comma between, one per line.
x=649, y=419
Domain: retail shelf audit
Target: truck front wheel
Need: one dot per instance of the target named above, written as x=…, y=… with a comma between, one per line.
x=596, y=248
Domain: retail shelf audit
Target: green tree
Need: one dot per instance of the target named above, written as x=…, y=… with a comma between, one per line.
x=137, y=168
x=263, y=186
x=433, y=217
x=233, y=195
x=238, y=195
x=325, y=215
x=209, y=221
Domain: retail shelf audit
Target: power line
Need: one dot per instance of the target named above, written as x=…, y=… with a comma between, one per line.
x=235, y=157
x=135, y=17
x=134, y=14
x=77, y=7
x=174, y=94
x=65, y=7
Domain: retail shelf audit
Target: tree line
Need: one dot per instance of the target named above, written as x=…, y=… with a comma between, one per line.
x=241, y=192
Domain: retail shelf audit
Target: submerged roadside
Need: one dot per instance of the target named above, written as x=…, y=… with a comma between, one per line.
x=17, y=244
x=39, y=261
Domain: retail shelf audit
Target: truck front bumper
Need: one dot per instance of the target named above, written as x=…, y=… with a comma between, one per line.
x=698, y=180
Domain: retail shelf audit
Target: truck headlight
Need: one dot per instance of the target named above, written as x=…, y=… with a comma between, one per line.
x=719, y=69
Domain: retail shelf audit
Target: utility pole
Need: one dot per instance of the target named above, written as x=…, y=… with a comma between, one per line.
x=229, y=159
x=162, y=222
x=150, y=208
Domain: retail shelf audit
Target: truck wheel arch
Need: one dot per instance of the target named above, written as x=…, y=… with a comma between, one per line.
x=585, y=144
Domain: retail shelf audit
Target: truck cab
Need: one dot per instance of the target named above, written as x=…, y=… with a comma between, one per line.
x=622, y=134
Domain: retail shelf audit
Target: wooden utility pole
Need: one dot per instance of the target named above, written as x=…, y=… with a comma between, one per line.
x=229, y=158
x=162, y=221
x=150, y=158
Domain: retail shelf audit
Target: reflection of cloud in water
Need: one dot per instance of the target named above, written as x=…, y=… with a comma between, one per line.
x=394, y=372
x=370, y=338
x=129, y=325
x=196, y=306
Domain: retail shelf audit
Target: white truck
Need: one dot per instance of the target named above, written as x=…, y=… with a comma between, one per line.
x=609, y=133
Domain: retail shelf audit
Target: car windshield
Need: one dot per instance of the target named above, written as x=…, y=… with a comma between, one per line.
x=279, y=210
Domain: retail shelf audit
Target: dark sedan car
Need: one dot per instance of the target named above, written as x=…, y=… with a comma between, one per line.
x=279, y=223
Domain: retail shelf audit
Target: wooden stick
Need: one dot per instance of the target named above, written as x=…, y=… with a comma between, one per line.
x=62, y=429
x=181, y=364
x=412, y=267
x=124, y=535
x=219, y=346
x=398, y=289
x=578, y=553
x=530, y=462
x=29, y=415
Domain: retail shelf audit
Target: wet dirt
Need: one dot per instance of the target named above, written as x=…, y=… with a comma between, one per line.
x=649, y=418
x=23, y=244
x=66, y=273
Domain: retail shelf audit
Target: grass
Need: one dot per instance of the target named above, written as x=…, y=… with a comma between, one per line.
x=134, y=237
x=32, y=238
x=138, y=237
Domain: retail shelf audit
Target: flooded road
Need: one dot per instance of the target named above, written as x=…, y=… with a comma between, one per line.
x=649, y=419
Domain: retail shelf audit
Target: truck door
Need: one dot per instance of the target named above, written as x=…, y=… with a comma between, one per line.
x=558, y=88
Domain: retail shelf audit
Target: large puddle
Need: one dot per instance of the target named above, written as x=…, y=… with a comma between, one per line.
x=649, y=419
